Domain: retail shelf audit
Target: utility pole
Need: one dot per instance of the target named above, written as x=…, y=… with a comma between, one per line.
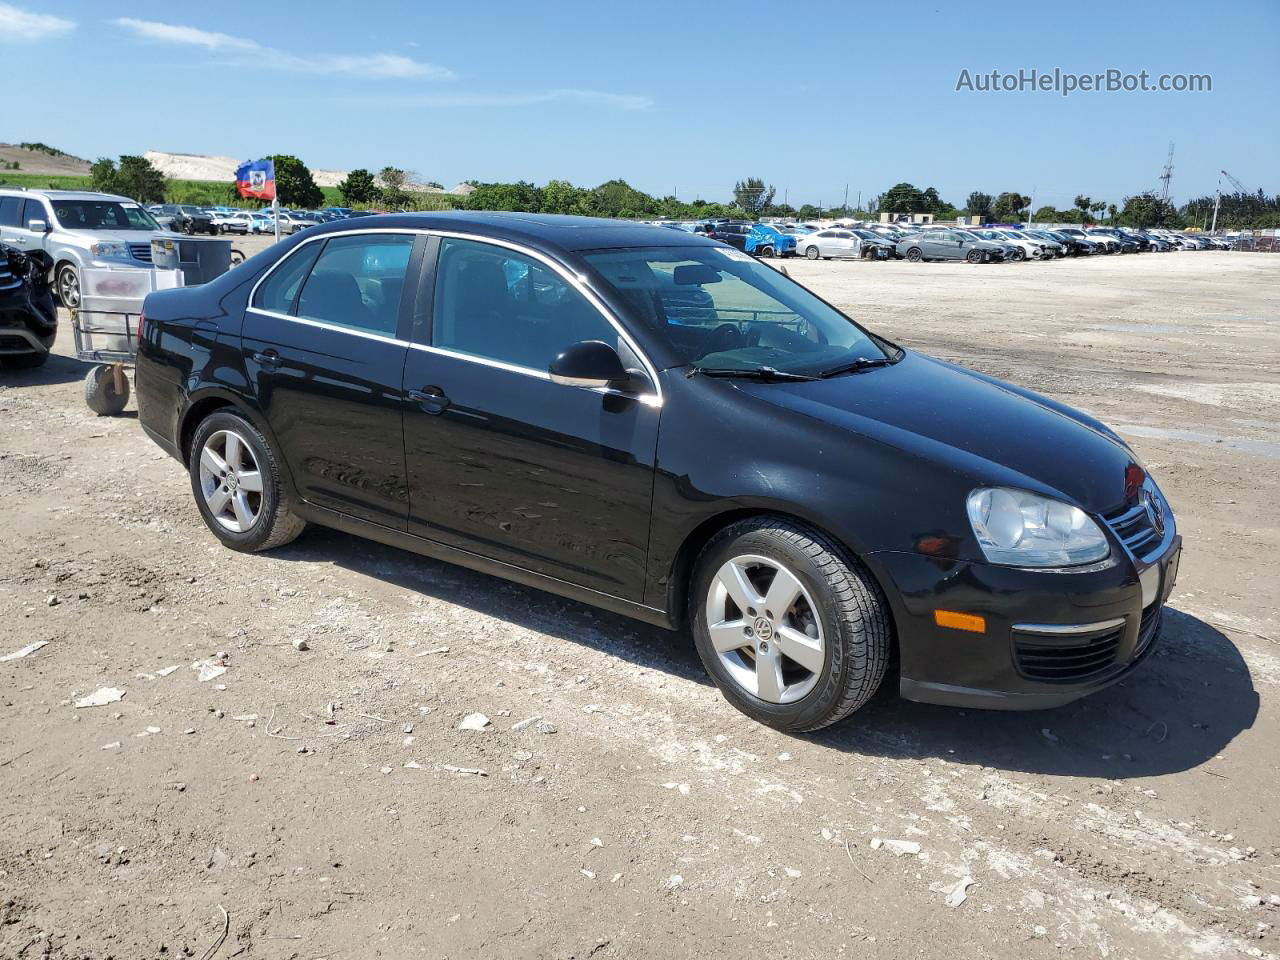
x=846, y=198
x=1166, y=175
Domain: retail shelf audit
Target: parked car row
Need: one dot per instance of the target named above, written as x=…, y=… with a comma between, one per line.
x=192, y=219
x=987, y=244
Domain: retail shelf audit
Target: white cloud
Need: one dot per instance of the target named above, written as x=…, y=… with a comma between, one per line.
x=621, y=101
x=361, y=65
x=19, y=25
x=173, y=33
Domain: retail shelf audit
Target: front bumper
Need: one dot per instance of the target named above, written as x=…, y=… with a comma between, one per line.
x=1091, y=628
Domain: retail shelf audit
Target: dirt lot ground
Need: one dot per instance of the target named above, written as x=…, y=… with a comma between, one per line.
x=317, y=797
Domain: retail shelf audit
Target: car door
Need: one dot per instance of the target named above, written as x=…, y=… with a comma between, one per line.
x=30, y=211
x=502, y=461
x=324, y=345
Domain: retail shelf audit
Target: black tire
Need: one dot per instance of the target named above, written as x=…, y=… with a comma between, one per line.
x=1018, y=255
x=100, y=391
x=974, y=256
x=275, y=524
x=915, y=255
x=853, y=613
x=25, y=361
x=811, y=253
x=768, y=252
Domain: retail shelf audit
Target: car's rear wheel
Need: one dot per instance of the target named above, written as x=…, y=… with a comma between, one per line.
x=793, y=631
x=236, y=482
x=914, y=255
x=811, y=253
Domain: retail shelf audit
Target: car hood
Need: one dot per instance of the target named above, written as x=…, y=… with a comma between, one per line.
x=980, y=428
x=121, y=236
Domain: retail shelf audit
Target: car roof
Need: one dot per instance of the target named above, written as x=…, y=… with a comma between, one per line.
x=538, y=229
x=64, y=194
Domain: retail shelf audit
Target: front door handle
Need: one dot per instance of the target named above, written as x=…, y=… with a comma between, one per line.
x=431, y=399
x=269, y=360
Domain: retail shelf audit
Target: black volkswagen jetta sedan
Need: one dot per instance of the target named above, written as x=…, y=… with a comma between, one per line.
x=656, y=423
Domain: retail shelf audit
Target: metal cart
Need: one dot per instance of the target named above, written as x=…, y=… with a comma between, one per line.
x=105, y=326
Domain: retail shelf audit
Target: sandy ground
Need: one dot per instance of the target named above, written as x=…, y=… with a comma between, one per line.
x=315, y=795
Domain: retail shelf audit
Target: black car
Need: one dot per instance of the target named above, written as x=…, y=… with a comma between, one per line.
x=655, y=423
x=28, y=315
x=732, y=232
x=184, y=218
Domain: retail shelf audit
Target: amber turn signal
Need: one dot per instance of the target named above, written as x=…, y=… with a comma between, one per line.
x=960, y=621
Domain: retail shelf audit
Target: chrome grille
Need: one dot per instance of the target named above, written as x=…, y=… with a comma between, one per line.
x=1133, y=526
x=141, y=251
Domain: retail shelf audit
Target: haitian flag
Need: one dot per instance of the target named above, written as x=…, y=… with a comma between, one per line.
x=256, y=178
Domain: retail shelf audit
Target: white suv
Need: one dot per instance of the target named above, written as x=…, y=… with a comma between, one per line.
x=78, y=229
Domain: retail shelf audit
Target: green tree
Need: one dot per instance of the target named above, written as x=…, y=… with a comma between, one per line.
x=1010, y=205
x=1148, y=210
x=753, y=196
x=393, y=181
x=135, y=178
x=294, y=184
x=808, y=212
x=903, y=198
x=978, y=204
x=617, y=198
x=357, y=187
x=520, y=196
x=1083, y=203
x=561, y=196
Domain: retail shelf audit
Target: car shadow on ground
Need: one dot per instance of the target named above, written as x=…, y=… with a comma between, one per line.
x=1180, y=708
x=57, y=369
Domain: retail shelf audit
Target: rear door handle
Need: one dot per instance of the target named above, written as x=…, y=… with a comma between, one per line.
x=268, y=359
x=431, y=399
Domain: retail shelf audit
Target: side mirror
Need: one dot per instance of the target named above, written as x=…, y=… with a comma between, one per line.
x=589, y=364
x=38, y=226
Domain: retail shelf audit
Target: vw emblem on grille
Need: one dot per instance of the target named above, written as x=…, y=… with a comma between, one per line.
x=1155, y=511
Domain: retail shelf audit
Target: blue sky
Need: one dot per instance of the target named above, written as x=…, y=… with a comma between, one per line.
x=686, y=96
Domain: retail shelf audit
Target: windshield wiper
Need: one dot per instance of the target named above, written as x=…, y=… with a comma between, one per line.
x=748, y=373
x=861, y=363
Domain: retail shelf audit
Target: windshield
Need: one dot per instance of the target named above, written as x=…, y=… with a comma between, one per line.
x=721, y=309
x=102, y=215
x=966, y=235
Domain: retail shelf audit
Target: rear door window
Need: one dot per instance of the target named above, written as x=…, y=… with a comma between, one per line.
x=9, y=208
x=357, y=282
x=279, y=292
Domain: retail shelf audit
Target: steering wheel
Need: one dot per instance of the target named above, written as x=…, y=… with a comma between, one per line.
x=725, y=337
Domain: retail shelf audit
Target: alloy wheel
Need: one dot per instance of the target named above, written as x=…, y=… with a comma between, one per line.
x=231, y=481
x=765, y=629
x=69, y=287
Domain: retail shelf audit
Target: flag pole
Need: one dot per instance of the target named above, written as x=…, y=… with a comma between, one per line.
x=275, y=214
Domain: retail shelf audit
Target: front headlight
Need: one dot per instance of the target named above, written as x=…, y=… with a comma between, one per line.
x=110, y=250
x=1022, y=529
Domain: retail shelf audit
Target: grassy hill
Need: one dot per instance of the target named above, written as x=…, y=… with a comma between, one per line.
x=202, y=192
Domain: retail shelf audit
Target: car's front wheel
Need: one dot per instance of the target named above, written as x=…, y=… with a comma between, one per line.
x=974, y=256
x=791, y=629
x=68, y=285
x=236, y=482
